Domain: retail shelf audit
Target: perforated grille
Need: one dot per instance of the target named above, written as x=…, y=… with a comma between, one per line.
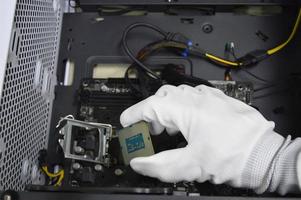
x=25, y=105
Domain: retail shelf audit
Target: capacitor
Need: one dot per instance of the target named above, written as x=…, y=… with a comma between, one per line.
x=76, y=166
x=98, y=168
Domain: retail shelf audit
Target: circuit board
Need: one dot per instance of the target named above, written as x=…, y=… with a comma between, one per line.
x=103, y=100
x=242, y=91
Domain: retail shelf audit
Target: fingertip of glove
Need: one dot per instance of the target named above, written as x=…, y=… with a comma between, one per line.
x=146, y=166
x=124, y=118
x=137, y=164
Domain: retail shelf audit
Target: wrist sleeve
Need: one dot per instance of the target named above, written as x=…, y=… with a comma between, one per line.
x=272, y=165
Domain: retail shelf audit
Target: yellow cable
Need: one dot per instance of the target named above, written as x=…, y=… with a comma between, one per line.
x=59, y=182
x=52, y=175
x=279, y=47
x=59, y=174
x=269, y=52
x=227, y=62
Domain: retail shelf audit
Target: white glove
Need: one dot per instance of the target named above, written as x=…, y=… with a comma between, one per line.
x=221, y=133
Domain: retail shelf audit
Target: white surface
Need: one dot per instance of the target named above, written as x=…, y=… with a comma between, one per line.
x=110, y=70
x=7, y=11
x=69, y=73
x=299, y=169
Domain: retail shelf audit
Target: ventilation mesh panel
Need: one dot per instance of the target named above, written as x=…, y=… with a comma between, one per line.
x=24, y=110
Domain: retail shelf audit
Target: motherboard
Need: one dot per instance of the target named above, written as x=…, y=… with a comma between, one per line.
x=97, y=155
x=103, y=100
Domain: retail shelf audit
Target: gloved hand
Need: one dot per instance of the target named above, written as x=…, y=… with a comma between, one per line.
x=221, y=133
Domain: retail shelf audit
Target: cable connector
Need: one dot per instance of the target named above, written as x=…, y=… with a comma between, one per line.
x=253, y=58
x=180, y=38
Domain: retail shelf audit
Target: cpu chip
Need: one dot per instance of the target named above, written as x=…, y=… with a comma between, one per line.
x=135, y=141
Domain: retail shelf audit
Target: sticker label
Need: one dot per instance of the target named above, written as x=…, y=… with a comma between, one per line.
x=134, y=143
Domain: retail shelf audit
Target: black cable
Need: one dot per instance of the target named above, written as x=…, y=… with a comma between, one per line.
x=288, y=81
x=147, y=50
x=173, y=41
x=139, y=90
x=118, y=10
x=130, y=53
x=264, y=87
x=232, y=51
x=135, y=90
x=255, y=76
x=277, y=92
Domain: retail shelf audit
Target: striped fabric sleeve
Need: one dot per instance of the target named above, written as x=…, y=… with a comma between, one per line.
x=272, y=165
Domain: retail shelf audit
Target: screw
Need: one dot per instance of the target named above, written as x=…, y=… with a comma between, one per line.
x=118, y=172
x=85, y=84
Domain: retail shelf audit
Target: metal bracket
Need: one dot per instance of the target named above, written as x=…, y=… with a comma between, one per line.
x=68, y=144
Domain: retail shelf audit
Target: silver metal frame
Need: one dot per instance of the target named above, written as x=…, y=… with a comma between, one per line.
x=105, y=134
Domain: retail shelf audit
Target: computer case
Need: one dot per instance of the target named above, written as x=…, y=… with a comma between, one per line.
x=42, y=38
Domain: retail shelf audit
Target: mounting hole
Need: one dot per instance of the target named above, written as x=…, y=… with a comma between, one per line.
x=207, y=28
